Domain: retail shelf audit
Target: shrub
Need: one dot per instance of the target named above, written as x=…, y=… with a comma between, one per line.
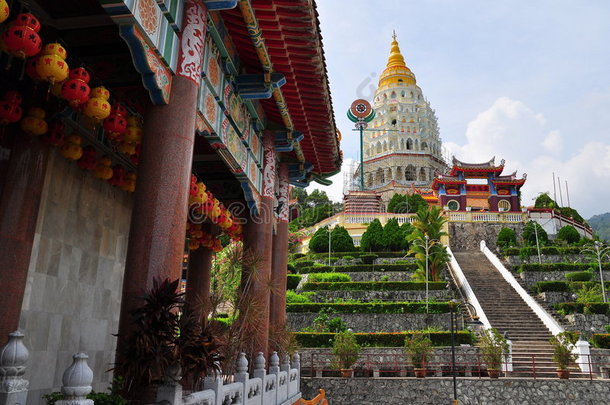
x=345, y=349
x=291, y=268
x=328, y=277
x=303, y=263
x=569, y=234
x=296, y=256
x=348, y=257
x=393, y=237
x=529, y=235
x=292, y=281
x=383, y=339
x=369, y=258
x=294, y=298
x=545, y=286
x=563, y=344
x=567, y=308
x=340, y=240
x=319, y=241
x=579, y=276
x=558, y=267
x=493, y=347
x=355, y=268
x=418, y=347
x=372, y=238
x=370, y=307
x=506, y=237
x=589, y=293
x=601, y=340
x=374, y=286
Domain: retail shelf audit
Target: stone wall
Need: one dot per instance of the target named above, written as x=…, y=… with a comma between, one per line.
x=381, y=275
x=365, y=296
x=468, y=235
x=470, y=391
x=375, y=322
x=532, y=277
x=517, y=260
x=588, y=322
x=73, y=292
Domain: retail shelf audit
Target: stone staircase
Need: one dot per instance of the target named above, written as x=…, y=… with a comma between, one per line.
x=507, y=312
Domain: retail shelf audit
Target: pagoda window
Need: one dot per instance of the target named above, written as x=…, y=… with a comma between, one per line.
x=409, y=144
x=393, y=95
x=402, y=93
x=402, y=144
x=394, y=122
x=385, y=97
x=398, y=172
x=453, y=205
x=410, y=173
x=389, y=174
x=503, y=205
x=385, y=146
x=378, y=147
x=422, y=174
x=411, y=94
x=379, y=177
x=424, y=146
x=416, y=144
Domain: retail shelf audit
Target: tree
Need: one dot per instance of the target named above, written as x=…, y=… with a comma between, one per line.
x=405, y=230
x=544, y=201
x=312, y=208
x=319, y=241
x=340, y=240
x=416, y=203
x=393, y=237
x=569, y=234
x=529, y=234
x=398, y=204
x=429, y=222
x=372, y=238
x=506, y=238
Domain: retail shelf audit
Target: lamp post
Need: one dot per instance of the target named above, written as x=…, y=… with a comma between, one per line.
x=453, y=306
x=329, y=245
x=427, y=247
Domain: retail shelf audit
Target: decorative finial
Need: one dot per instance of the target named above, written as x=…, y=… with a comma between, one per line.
x=394, y=35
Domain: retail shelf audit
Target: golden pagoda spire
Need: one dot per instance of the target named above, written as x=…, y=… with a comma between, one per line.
x=396, y=71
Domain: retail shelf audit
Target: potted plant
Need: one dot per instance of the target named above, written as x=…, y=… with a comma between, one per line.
x=418, y=347
x=345, y=351
x=563, y=344
x=493, y=347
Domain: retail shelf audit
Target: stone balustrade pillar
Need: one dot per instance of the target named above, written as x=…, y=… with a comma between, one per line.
x=13, y=358
x=76, y=382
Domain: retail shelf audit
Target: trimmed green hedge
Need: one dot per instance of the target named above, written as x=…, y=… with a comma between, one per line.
x=577, y=285
x=359, y=268
x=292, y=281
x=588, y=308
x=375, y=286
x=545, y=250
x=371, y=307
x=368, y=258
x=601, y=340
x=545, y=286
x=579, y=276
x=315, y=256
x=397, y=339
x=328, y=277
x=303, y=263
x=573, y=267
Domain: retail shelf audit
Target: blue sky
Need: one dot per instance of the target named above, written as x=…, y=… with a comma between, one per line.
x=528, y=82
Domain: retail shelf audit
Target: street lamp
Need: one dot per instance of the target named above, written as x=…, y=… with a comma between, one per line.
x=329, y=246
x=599, y=250
x=453, y=307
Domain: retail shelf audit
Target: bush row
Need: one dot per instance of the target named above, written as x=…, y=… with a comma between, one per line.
x=397, y=339
x=545, y=250
x=359, y=268
x=565, y=286
x=328, y=277
x=375, y=286
x=293, y=281
x=371, y=307
x=560, y=267
x=340, y=255
x=601, y=340
x=588, y=308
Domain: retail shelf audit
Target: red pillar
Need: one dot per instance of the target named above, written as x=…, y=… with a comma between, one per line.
x=198, y=279
x=258, y=241
x=158, y=223
x=18, y=215
x=277, y=316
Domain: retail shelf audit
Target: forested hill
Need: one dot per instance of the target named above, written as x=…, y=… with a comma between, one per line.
x=601, y=225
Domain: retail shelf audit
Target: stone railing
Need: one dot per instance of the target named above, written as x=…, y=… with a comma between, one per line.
x=469, y=216
x=279, y=386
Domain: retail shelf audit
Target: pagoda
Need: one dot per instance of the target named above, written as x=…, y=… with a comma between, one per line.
x=478, y=186
x=401, y=146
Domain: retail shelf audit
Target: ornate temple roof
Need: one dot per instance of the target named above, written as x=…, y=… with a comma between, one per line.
x=396, y=70
x=510, y=180
x=485, y=167
x=291, y=34
x=445, y=179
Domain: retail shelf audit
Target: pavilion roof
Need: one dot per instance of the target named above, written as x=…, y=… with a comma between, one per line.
x=446, y=179
x=485, y=167
x=291, y=33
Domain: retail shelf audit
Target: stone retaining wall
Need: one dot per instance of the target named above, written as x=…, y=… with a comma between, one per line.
x=588, y=322
x=468, y=235
x=470, y=391
x=532, y=277
x=380, y=275
x=375, y=322
x=365, y=296
x=517, y=260
x=555, y=297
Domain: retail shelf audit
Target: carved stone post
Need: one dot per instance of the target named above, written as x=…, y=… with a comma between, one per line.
x=285, y=366
x=171, y=389
x=76, y=382
x=274, y=363
x=259, y=367
x=13, y=356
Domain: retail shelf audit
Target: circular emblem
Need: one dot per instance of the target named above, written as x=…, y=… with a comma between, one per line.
x=360, y=108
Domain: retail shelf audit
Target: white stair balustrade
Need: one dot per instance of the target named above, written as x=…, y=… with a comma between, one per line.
x=13, y=358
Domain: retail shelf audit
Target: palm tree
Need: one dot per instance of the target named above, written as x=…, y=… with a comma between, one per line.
x=428, y=223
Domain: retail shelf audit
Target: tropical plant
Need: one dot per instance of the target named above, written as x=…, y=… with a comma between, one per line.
x=563, y=344
x=506, y=238
x=529, y=234
x=166, y=334
x=493, y=347
x=428, y=222
x=418, y=347
x=345, y=349
x=587, y=294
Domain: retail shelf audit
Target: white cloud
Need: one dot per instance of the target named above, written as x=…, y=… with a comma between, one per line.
x=335, y=190
x=553, y=142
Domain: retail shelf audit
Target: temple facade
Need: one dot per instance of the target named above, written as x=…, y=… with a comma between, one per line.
x=401, y=146
x=478, y=187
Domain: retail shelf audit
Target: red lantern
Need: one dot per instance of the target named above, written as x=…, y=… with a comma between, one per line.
x=116, y=124
x=55, y=135
x=75, y=89
x=30, y=69
x=21, y=39
x=10, y=108
x=88, y=160
x=118, y=176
